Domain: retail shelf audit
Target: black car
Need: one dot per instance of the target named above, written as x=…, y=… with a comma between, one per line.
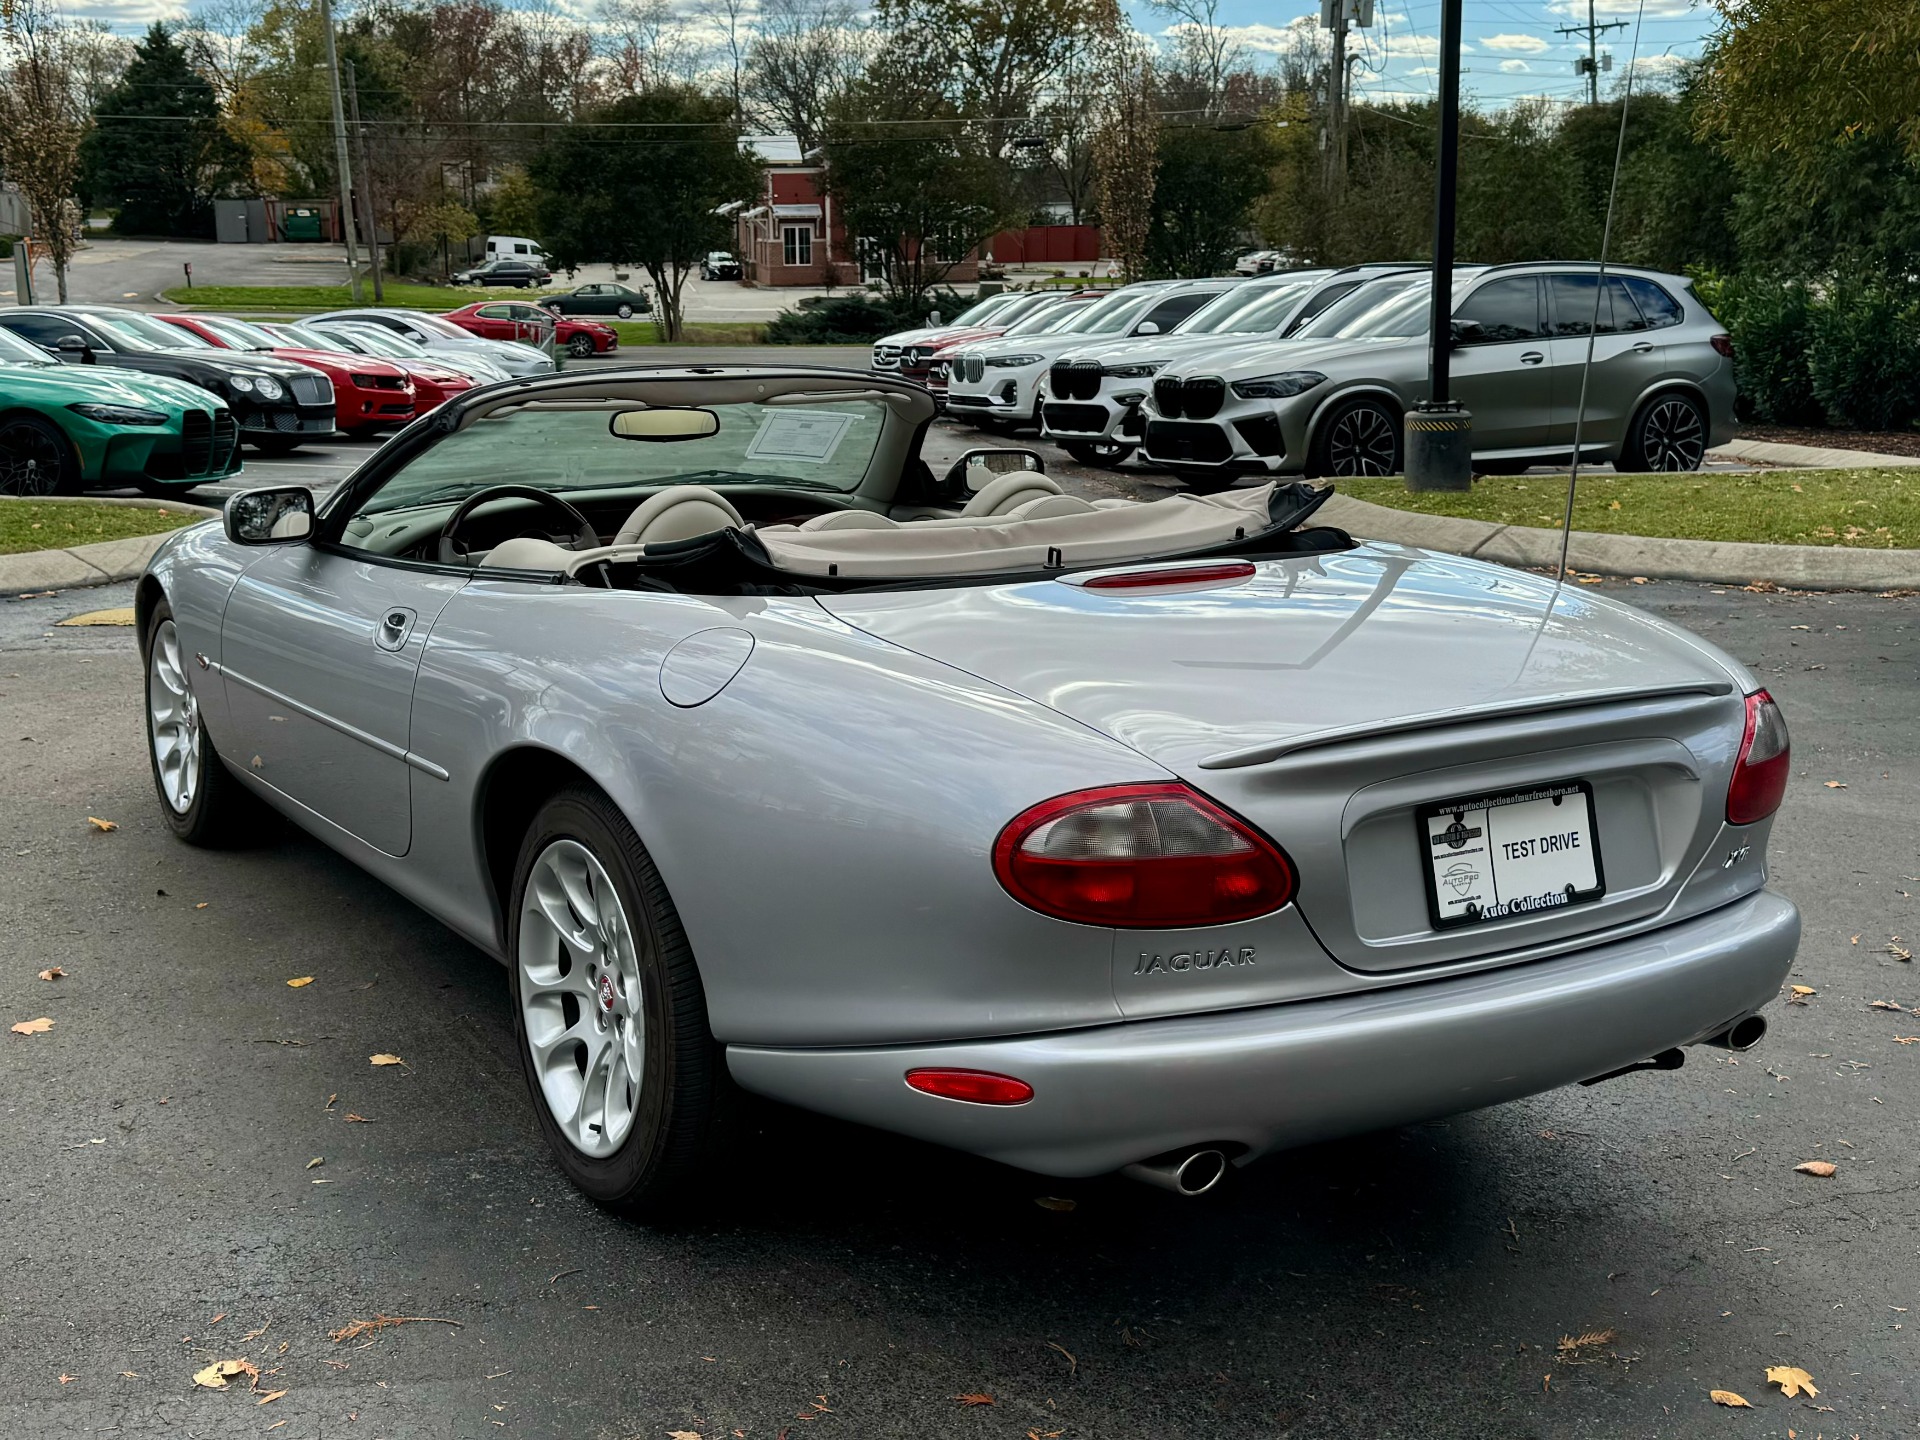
x=619, y=300
x=525, y=273
x=720, y=265
x=277, y=403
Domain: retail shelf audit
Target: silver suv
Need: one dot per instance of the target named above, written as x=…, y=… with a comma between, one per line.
x=1330, y=400
x=1090, y=399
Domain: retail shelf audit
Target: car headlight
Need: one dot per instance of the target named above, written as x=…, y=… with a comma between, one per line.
x=268, y=388
x=1279, y=387
x=1014, y=362
x=119, y=414
x=1132, y=372
x=243, y=384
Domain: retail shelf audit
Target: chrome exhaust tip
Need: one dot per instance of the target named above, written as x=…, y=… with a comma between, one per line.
x=1185, y=1172
x=1745, y=1033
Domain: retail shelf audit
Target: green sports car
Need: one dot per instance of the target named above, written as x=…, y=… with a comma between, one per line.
x=67, y=427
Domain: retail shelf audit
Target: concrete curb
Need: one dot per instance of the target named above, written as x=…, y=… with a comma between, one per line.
x=101, y=563
x=1726, y=562
x=1809, y=456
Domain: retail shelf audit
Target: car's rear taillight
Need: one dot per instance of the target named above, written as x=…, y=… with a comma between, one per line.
x=976, y=1087
x=1723, y=344
x=1140, y=857
x=1760, y=774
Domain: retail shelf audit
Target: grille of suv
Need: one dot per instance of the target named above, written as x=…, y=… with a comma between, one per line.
x=1075, y=380
x=1182, y=440
x=1166, y=398
x=970, y=368
x=1202, y=397
x=226, y=438
x=196, y=442
x=1075, y=419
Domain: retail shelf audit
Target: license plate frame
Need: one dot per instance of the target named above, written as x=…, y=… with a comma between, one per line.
x=1480, y=845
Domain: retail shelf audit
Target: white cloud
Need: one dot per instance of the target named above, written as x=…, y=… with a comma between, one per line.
x=1516, y=44
x=1515, y=67
x=1622, y=9
x=126, y=15
x=1262, y=39
x=1422, y=70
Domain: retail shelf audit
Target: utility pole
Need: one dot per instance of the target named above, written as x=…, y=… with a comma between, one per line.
x=366, y=183
x=1590, y=66
x=340, y=151
x=1439, y=431
x=1340, y=16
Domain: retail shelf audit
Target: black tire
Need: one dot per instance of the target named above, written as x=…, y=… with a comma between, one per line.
x=220, y=811
x=1106, y=454
x=1668, y=434
x=275, y=444
x=625, y=311
x=1358, y=438
x=580, y=346
x=35, y=458
x=686, y=1097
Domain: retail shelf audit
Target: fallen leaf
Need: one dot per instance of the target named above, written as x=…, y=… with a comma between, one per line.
x=1888, y=1005
x=1045, y=1202
x=269, y=1397
x=1898, y=1039
x=32, y=1027
x=1796, y=989
x=1572, y=1345
x=1836, y=784
x=202, y=905
x=354, y=1329
x=1638, y=579
x=1729, y=1399
x=1899, y=952
x=68, y=1379
x=353, y=1119
x=384, y=1059
x=299, y=981
x=316, y=1162
x=974, y=1399
x=53, y=972
x=216, y=1375
x=1792, y=1379
x=683, y=1435
x=103, y=826
x=1825, y=1169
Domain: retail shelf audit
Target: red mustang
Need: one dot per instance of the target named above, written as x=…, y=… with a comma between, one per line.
x=369, y=395
x=433, y=383
x=517, y=320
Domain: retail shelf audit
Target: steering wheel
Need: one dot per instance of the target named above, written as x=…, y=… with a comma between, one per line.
x=452, y=552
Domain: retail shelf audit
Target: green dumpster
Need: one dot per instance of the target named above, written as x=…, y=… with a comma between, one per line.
x=302, y=222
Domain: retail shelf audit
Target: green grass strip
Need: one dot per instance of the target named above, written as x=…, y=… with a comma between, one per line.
x=57, y=525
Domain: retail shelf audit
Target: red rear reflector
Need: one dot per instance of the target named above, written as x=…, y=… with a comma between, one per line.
x=1183, y=575
x=977, y=1087
x=1723, y=344
x=1760, y=774
x=1140, y=857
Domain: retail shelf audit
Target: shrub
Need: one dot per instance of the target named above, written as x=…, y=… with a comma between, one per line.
x=1863, y=357
x=856, y=320
x=1771, y=324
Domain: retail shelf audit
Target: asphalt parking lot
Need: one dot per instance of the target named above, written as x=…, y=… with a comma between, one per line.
x=1587, y=1263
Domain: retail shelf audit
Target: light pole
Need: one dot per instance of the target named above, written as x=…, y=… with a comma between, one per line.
x=1439, y=434
x=340, y=151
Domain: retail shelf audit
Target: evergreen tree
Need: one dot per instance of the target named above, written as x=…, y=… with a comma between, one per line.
x=157, y=149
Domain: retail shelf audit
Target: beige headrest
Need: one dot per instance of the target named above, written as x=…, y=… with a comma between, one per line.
x=679, y=514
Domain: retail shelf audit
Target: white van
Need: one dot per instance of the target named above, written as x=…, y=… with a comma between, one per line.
x=517, y=247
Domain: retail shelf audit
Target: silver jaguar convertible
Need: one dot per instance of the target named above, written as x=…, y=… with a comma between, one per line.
x=1084, y=836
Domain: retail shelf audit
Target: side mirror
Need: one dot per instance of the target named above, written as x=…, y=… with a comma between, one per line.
x=933, y=318
x=1147, y=327
x=76, y=346
x=977, y=469
x=1467, y=332
x=270, y=517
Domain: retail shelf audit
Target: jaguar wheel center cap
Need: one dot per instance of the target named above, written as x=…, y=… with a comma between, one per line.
x=607, y=993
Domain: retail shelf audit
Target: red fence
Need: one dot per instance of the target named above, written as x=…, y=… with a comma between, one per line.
x=1046, y=245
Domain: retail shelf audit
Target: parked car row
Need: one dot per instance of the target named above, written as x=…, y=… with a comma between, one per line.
x=1312, y=372
x=98, y=395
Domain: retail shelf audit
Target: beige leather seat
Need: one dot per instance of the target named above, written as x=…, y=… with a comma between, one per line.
x=528, y=552
x=679, y=514
x=1002, y=495
x=849, y=520
x=1048, y=506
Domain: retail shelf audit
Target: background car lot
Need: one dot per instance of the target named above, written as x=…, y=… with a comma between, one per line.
x=1417, y=1282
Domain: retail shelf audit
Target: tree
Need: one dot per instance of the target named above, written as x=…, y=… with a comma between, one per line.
x=41, y=125
x=441, y=224
x=800, y=66
x=157, y=148
x=1127, y=148
x=639, y=183
x=1207, y=179
x=513, y=205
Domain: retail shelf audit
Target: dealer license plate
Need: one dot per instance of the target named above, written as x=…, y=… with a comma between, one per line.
x=1519, y=852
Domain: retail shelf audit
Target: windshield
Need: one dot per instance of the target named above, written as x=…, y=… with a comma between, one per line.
x=1113, y=314
x=1046, y=318
x=371, y=340
x=15, y=351
x=1247, y=310
x=137, y=332
x=1393, y=306
x=977, y=314
x=821, y=445
x=240, y=335
x=312, y=338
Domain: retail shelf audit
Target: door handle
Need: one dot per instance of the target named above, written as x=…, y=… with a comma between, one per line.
x=394, y=627
x=1643, y=348
x=1532, y=357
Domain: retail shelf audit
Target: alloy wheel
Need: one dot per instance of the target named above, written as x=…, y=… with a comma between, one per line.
x=1363, y=442
x=1672, y=437
x=581, y=1001
x=30, y=459
x=173, y=721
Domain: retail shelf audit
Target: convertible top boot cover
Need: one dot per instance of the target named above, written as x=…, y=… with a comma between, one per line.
x=1095, y=537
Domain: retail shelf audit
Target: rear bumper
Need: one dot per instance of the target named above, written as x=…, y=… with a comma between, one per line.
x=1287, y=1075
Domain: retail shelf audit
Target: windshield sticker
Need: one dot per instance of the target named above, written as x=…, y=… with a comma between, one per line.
x=807, y=436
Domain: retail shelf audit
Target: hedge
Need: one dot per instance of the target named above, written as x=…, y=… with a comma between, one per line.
x=857, y=319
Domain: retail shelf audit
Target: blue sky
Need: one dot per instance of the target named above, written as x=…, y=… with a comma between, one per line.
x=1511, y=46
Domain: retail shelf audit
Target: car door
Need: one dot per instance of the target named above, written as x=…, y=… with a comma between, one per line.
x=1500, y=372
x=1628, y=359
x=496, y=321
x=318, y=655
x=531, y=323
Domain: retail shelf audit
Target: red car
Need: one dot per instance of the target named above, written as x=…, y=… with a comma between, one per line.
x=433, y=383
x=369, y=395
x=517, y=320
